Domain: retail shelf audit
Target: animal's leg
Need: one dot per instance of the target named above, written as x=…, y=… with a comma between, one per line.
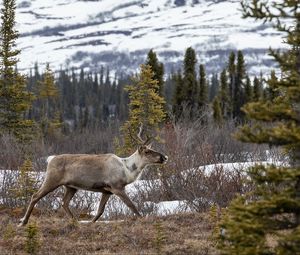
x=104, y=199
x=121, y=194
x=46, y=188
x=69, y=194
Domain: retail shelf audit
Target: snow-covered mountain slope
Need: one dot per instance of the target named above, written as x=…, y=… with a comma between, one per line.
x=119, y=33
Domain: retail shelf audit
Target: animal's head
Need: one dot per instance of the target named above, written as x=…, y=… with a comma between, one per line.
x=149, y=155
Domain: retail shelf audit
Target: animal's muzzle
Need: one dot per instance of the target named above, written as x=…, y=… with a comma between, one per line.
x=163, y=159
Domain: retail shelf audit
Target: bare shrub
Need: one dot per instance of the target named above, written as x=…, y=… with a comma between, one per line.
x=200, y=172
x=91, y=140
x=7, y=181
x=13, y=154
x=193, y=174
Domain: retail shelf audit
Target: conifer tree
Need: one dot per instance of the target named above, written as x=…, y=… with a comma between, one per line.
x=101, y=76
x=25, y=183
x=107, y=77
x=189, y=91
x=224, y=96
x=48, y=95
x=272, y=209
x=271, y=90
x=85, y=118
x=214, y=87
x=48, y=89
x=36, y=72
x=146, y=107
x=123, y=101
x=186, y=86
x=257, y=89
x=15, y=100
x=232, y=75
x=203, y=88
x=32, y=243
x=169, y=88
x=248, y=91
x=217, y=112
x=238, y=93
x=95, y=84
x=178, y=98
x=158, y=70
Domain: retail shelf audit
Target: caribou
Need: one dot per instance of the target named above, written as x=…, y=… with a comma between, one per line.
x=105, y=173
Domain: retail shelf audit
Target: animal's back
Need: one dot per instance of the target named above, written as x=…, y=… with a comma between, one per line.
x=85, y=170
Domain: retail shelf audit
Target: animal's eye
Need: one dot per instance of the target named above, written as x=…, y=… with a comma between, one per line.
x=147, y=152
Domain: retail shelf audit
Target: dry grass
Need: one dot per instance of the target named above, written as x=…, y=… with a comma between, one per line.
x=188, y=233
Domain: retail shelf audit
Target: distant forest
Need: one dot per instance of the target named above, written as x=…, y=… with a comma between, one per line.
x=87, y=99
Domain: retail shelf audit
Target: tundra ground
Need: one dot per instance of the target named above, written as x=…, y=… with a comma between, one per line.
x=188, y=233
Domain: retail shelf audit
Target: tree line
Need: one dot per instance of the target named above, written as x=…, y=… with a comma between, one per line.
x=74, y=100
x=53, y=104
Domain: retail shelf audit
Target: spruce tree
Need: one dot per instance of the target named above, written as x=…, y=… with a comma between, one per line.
x=203, y=88
x=48, y=89
x=169, y=89
x=189, y=91
x=158, y=70
x=214, y=87
x=146, y=107
x=185, y=95
x=15, y=100
x=257, y=89
x=49, y=119
x=122, y=102
x=238, y=91
x=232, y=75
x=101, y=76
x=25, y=183
x=32, y=242
x=36, y=72
x=248, y=90
x=85, y=117
x=271, y=90
x=272, y=210
x=95, y=84
x=217, y=112
x=224, y=96
x=178, y=98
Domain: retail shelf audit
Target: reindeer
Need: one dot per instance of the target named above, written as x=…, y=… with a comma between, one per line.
x=106, y=173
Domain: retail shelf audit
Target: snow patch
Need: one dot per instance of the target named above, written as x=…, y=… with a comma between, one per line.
x=161, y=208
x=56, y=31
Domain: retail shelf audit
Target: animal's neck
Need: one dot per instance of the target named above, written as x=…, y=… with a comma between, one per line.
x=135, y=164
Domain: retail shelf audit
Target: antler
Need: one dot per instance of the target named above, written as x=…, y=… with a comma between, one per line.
x=133, y=138
x=138, y=139
x=139, y=136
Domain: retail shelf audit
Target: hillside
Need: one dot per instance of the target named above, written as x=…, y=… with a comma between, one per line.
x=118, y=33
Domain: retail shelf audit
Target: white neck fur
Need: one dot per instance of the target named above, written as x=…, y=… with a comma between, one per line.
x=134, y=164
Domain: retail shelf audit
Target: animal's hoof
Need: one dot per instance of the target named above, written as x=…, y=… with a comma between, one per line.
x=21, y=223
